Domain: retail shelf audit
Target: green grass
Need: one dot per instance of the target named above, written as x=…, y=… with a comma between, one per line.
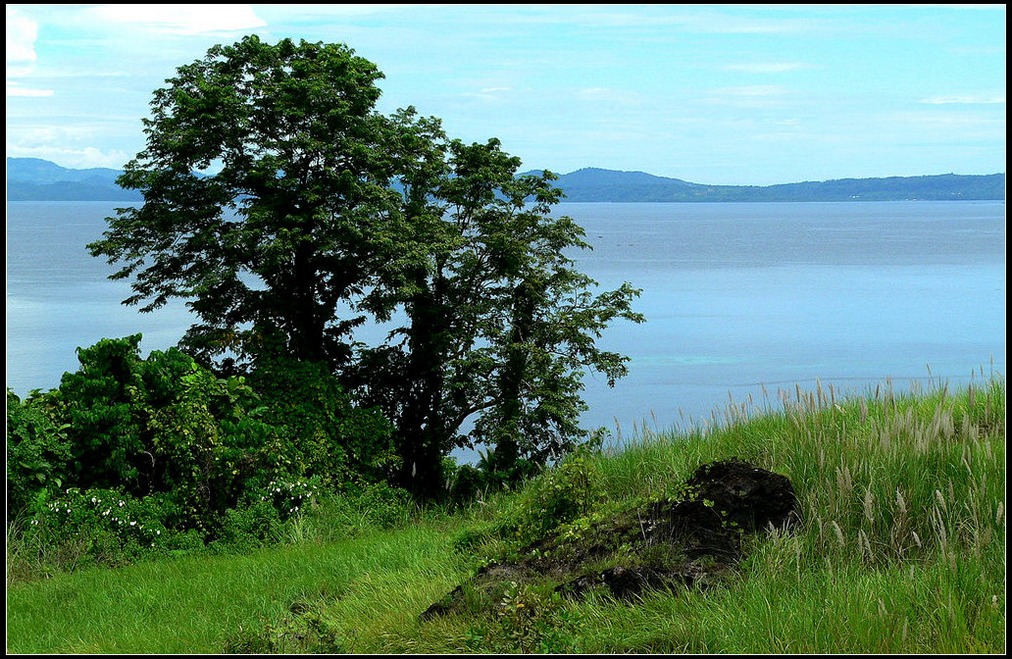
x=196, y=604
x=901, y=550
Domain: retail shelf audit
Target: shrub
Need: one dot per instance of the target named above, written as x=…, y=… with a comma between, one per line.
x=527, y=621
x=75, y=528
x=249, y=526
x=559, y=495
x=564, y=493
x=38, y=452
x=201, y=449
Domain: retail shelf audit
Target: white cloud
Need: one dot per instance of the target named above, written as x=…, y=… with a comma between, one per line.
x=13, y=89
x=182, y=19
x=21, y=35
x=82, y=158
x=964, y=100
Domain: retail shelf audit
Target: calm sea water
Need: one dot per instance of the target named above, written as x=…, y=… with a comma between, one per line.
x=740, y=299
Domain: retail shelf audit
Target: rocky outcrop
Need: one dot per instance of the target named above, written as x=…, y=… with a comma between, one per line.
x=691, y=540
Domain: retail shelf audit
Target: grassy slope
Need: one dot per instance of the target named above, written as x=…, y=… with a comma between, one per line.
x=902, y=550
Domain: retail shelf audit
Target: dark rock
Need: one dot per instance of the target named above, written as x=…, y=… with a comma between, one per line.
x=687, y=542
x=751, y=497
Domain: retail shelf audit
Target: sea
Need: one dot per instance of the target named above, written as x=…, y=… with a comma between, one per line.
x=745, y=303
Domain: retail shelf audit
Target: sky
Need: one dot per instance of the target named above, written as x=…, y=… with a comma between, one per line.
x=715, y=94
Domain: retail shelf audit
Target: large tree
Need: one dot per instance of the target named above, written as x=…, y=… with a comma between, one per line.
x=500, y=327
x=267, y=199
x=287, y=211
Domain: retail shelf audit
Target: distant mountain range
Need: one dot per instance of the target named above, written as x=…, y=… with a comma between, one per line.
x=605, y=185
x=32, y=179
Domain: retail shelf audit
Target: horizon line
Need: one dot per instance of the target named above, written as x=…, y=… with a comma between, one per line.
x=620, y=171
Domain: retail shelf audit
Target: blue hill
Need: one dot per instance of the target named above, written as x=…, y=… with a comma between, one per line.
x=601, y=185
x=32, y=179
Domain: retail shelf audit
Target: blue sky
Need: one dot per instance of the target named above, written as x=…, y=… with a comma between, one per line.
x=719, y=94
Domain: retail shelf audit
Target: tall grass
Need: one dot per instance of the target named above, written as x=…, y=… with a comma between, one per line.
x=901, y=550
x=903, y=543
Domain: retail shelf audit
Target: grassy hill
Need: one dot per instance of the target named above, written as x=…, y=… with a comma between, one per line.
x=900, y=549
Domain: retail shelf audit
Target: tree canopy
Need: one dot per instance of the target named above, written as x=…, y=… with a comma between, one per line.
x=287, y=211
x=294, y=210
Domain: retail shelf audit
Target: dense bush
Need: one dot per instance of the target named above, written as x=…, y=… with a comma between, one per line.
x=38, y=454
x=555, y=497
x=96, y=514
x=181, y=451
x=465, y=482
x=326, y=435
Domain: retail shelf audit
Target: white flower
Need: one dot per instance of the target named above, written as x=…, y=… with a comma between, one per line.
x=133, y=523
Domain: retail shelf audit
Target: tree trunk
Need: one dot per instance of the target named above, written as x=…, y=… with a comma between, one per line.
x=306, y=340
x=507, y=446
x=422, y=435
